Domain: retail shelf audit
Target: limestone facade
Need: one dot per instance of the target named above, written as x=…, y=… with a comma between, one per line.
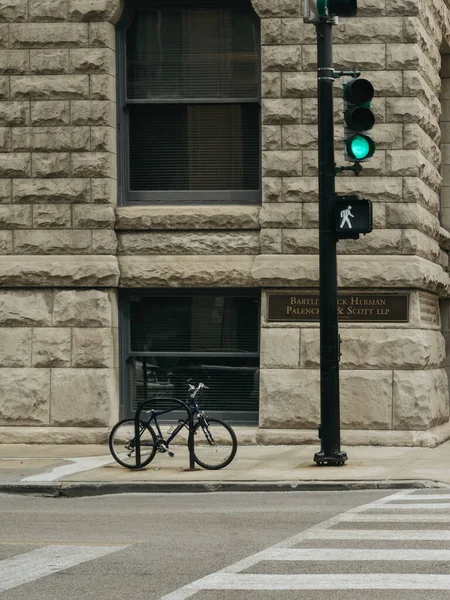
x=68, y=245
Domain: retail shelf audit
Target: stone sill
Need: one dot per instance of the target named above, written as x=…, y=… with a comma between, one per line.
x=187, y=217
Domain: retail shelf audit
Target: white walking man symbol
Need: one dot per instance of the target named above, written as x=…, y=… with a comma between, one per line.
x=345, y=216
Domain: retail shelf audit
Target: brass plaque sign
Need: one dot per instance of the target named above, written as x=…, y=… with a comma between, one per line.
x=351, y=307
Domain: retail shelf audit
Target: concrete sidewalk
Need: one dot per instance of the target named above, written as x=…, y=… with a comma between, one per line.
x=88, y=470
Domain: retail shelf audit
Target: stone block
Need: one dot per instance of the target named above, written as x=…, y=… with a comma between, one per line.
x=52, y=346
x=182, y=271
x=366, y=399
x=289, y=398
x=103, y=87
x=365, y=57
x=13, y=113
x=282, y=164
x=271, y=85
x=299, y=137
x=92, y=60
x=49, y=62
x=280, y=348
x=103, y=139
x=190, y=243
x=300, y=241
x=5, y=191
x=271, y=241
x=50, y=113
x=282, y=58
x=104, y=241
x=278, y=8
x=45, y=241
x=402, y=7
x=93, y=216
x=15, y=346
x=48, y=35
x=22, y=308
x=271, y=137
x=365, y=30
x=285, y=215
x=51, y=215
x=282, y=111
x=14, y=62
x=102, y=35
x=40, y=139
x=195, y=217
x=416, y=242
x=51, y=164
x=104, y=191
x=24, y=396
x=15, y=165
x=369, y=348
x=92, y=164
x=300, y=189
x=93, y=10
x=82, y=308
x=378, y=189
x=48, y=10
x=50, y=87
x=271, y=189
x=16, y=217
x=271, y=31
x=92, y=112
x=411, y=216
x=13, y=11
x=415, y=190
x=299, y=85
x=381, y=241
x=4, y=88
x=92, y=347
x=82, y=397
x=6, y=242
x=420, y=399
x=5, y=139
x=44, y=191
x=295, y=31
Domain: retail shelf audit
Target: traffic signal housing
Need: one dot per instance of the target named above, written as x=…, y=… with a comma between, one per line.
x=358, y=119
x=315, y=10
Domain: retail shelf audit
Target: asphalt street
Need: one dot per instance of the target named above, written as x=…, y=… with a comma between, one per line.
x=227, y=546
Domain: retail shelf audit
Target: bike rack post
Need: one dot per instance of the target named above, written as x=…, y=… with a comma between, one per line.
x=191, y=441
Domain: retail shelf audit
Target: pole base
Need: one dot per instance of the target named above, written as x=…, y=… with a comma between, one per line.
x=337, y=458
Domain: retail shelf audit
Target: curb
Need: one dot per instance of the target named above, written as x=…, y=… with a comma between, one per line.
x=83, y=489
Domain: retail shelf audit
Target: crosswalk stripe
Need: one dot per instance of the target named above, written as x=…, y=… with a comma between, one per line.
x=424, y=497
x=422, y=506
x=355, y=554
x=359, y=518
x=380, y=534
x=382, y=581
x=41, y=562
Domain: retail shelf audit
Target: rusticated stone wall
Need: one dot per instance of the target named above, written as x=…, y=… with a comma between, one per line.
x=65, y=248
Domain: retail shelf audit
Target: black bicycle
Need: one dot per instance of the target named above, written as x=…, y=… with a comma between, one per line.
x=215, y=443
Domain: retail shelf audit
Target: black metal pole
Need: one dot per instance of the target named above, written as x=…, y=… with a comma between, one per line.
x=330, y=452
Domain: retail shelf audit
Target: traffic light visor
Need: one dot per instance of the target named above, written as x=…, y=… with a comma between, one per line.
x=360, y=147
x=342, y=8
x=358, y=91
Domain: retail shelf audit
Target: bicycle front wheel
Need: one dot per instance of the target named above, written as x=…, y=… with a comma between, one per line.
x=215, y=444
x=122, y=443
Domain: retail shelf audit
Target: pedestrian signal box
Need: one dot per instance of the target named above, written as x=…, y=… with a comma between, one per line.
x=353, y=215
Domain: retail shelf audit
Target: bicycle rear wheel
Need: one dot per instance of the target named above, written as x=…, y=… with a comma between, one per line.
x=215, y=444
x=122, y=443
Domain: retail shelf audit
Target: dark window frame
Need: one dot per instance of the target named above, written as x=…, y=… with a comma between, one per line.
x=167, y=197
x=126, y=353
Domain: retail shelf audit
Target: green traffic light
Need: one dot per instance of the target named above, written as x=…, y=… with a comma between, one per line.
x=360, y=147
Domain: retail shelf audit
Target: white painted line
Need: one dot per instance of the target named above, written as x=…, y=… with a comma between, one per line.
x=381, y=502
x=39, y=563
x=355, y=554
x=426, y=497
x=422, y=506
x=380, y=534
x=77, y=465
x=377, y=518
x=382, y=581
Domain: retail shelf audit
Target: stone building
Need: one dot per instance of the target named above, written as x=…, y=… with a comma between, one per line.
x=158, y=191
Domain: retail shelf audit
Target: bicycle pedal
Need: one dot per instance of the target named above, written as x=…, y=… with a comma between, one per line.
x=170, y=453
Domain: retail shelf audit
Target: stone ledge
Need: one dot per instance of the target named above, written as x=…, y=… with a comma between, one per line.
x=54, y=435
x=59, y=271
x=187, y=217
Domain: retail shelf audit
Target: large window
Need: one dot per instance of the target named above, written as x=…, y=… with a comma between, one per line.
x=189, y=102
x=209, y=336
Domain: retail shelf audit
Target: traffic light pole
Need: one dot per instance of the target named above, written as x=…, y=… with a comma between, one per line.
x=330, y=453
